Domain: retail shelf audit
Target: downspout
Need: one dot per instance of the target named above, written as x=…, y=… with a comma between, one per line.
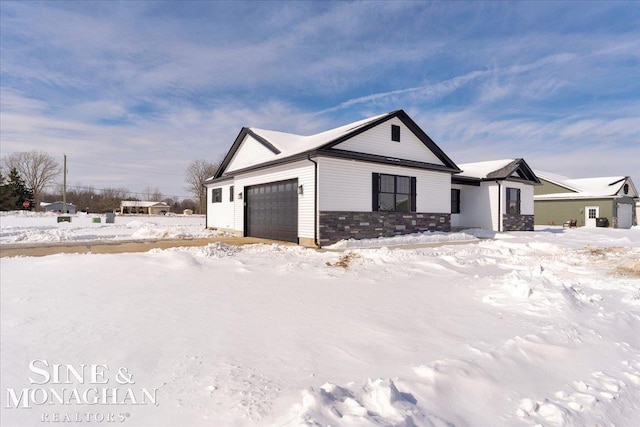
x=499, y=207
x=206, y=207
x=315, y=202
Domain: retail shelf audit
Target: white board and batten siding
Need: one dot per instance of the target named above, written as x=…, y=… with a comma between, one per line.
x=251, y=152
x=378, y=141
x=303, y=171
x=346, y=185
x=221, y=215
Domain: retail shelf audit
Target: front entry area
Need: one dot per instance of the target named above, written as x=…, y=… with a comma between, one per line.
x=271, y=211
x=590, y=215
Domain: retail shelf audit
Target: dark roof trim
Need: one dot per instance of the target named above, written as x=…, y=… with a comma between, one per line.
x=504, y=174
x=374, y=158
x=342, y=154
x=410, y=124
x=236, y=145
x=263, y=141
x=449, y=165
x=465, y=180
x=217, y=180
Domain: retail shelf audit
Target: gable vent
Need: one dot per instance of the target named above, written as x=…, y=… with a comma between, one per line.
x=395, y=133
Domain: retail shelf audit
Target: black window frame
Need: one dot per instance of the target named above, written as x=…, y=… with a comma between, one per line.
x=216, y=195
x=377, y=191
x=455, y=201
x=231, y=193
x=395, y=133
x=516, y=203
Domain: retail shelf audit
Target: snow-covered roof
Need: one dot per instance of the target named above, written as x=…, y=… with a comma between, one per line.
x=605, y=186
x=290, y=144
x=268, y=146
x=142, y=204
x=44, y=204
x=512, y=169
x=482, y=170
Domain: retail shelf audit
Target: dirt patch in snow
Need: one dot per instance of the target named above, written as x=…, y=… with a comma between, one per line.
x=344, y=260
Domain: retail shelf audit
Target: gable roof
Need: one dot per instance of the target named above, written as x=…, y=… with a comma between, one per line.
x=511, y=169
x=607, y=186
x=288, y=147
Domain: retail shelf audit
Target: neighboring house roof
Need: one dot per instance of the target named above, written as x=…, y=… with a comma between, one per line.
x=43, y=204
x=608, y=186
x=281, y=147
x=512, y=169
x=145, y=204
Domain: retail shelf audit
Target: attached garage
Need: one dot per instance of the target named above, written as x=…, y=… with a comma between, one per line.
x=271, y=211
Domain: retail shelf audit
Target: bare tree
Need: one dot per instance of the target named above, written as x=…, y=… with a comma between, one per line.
x=36, y=168
x=110, y=198
x=197, y=172
x=152, y=194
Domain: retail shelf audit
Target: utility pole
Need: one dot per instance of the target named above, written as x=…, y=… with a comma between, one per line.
x=64, y=186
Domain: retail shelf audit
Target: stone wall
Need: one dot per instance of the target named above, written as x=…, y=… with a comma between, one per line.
x=517, y=222
x=335, y=226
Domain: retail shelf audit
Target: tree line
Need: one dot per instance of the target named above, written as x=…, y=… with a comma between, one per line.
x=33, y=177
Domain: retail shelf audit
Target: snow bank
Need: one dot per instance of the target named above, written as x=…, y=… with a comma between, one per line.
x=537, y=328
x=427, y=237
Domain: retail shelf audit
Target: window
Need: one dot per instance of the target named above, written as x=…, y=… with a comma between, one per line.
x=592, y=213
x=216, y=195
x=513, y=201
x=231, y=193
x=395, y=133
x=394, y=193
x=455, y=201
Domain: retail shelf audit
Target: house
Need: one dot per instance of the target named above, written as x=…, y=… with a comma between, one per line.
x=58, y=207
x=602, y=201
x=381, y=176
x=494, y=195
x=148, y=208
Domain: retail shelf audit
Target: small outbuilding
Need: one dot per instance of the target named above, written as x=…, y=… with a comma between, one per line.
x=591, y=202
x=143, y=208
x=68, y=208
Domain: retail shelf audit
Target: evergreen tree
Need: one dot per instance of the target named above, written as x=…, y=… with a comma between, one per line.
x=18, y=194
x=6, y=201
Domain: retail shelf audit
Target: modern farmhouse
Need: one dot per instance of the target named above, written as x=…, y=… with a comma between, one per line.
x=381, y=176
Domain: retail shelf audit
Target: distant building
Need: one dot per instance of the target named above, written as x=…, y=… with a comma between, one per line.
x=70, y=208
x=143, y=208
x=592, y=202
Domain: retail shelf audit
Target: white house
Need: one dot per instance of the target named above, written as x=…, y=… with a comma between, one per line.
x=494, y=195
x=143, y=207
x=380, y=176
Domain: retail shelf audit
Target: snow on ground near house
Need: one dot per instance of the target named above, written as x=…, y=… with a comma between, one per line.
x=537, y=328
x=32, y=227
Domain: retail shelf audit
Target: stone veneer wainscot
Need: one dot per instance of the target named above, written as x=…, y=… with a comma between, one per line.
x=512, y=222
x=335, y=226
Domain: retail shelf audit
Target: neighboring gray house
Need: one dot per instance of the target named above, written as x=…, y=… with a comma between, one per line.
x=601, y=201
x=58, y=207
x=380, y=176
x=495, y=195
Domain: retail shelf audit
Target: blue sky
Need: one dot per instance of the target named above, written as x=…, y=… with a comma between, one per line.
x=133, y=91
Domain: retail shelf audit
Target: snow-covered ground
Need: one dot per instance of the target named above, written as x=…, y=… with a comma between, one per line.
x=31, y=227
x=525, y=329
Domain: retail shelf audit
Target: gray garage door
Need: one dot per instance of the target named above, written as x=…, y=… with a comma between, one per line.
x=271, y=211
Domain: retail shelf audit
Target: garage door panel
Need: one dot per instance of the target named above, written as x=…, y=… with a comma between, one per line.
x=272, y=210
